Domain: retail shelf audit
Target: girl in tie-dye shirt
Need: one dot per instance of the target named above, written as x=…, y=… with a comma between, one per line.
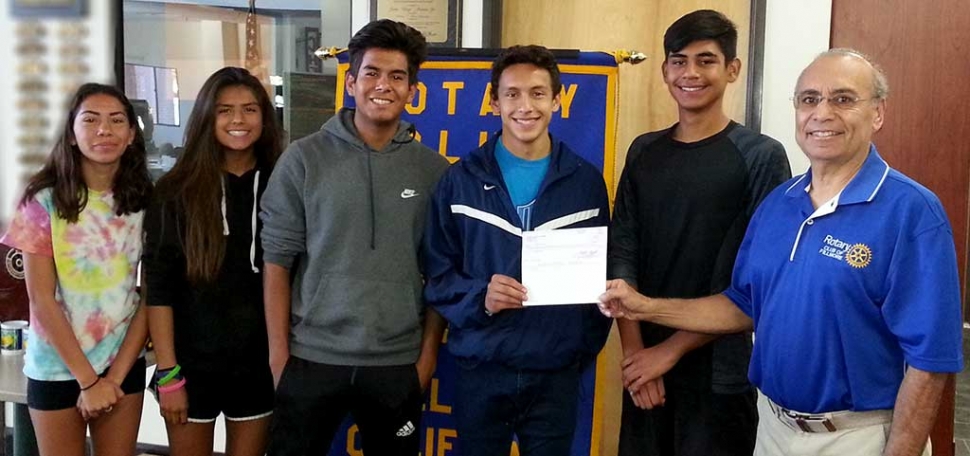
x=79, y=226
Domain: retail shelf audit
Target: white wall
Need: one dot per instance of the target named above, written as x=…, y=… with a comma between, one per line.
x=335, y=19
x=472, y=26
x=359, y=15
x=795, y=32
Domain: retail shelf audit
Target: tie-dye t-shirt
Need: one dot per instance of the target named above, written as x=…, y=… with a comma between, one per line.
x=96, y=261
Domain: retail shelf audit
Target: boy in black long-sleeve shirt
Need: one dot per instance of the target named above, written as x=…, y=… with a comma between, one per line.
x=685, y=198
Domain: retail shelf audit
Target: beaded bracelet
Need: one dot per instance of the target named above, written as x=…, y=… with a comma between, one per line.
x=169, y=388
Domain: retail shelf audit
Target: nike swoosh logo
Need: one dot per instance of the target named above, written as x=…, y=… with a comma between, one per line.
x=408, y=193
x=488, y=187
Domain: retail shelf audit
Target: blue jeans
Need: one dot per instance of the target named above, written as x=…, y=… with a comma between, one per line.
x=495, y=402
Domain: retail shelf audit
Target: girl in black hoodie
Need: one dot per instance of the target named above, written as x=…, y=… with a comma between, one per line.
x=202, y=262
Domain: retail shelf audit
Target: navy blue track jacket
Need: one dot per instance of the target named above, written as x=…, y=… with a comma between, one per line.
x=473, y=231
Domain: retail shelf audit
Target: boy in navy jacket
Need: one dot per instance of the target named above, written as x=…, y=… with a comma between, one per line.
x=519, y=367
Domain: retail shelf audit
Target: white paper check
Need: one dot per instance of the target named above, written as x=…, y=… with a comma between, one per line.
x=566, y=266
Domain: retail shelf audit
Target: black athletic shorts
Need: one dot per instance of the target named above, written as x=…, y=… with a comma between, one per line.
x=240, y=396
x=60, y=395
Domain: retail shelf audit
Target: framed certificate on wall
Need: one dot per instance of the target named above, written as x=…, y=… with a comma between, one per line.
x=48, y=8
x=438, y=20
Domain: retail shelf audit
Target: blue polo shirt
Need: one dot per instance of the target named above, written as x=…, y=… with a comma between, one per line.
x=843, y=297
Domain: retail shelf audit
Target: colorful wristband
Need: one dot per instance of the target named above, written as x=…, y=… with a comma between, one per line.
x=168, y=375
x=169, y=388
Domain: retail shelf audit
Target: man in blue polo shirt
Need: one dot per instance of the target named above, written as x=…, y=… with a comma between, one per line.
x=847, y=275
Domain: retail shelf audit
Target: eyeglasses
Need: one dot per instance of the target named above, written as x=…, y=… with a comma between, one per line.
x=808, y=102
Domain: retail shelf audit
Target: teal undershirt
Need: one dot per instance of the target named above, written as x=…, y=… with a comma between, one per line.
x=522, y=178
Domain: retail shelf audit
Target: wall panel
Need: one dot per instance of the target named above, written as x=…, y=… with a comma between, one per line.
x=919, y=45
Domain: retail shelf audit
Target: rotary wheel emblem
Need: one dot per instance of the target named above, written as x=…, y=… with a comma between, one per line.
x=15, y=264
x=859, y=256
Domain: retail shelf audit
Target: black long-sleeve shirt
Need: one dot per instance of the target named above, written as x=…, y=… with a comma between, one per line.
x=680, y=215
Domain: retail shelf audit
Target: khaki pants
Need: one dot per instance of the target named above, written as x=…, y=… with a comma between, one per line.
x=777, y=439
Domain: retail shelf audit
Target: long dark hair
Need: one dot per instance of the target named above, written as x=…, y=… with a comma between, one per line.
x=194, y=184
x=132, y=184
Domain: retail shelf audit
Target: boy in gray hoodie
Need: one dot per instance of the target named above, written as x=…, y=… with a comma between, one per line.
x=343, y=216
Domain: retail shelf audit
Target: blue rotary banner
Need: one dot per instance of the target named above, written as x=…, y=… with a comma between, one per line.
x=452, y=115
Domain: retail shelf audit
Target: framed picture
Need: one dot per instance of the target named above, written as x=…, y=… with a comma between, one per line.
x=48, y=8
x=311, y=36
x=438, y=20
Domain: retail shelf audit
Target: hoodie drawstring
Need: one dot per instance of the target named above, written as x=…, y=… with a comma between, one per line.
x=225, y=222
x=222, y=204
x=412, y=131
x=252, y=245
x=370, y=195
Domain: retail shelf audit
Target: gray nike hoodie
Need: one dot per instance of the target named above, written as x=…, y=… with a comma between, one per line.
x=347, y=221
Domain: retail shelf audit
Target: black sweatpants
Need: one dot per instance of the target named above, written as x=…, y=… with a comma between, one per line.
x=313, y=399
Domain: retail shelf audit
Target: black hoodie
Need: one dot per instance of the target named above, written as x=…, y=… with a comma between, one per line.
x=219, y=326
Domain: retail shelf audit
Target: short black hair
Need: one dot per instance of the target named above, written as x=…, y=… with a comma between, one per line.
x=702, y=25
x=531, y=54
x=390, y=35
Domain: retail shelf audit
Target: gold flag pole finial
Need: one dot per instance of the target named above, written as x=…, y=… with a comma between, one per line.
x=326, y=53
x=631, y=57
